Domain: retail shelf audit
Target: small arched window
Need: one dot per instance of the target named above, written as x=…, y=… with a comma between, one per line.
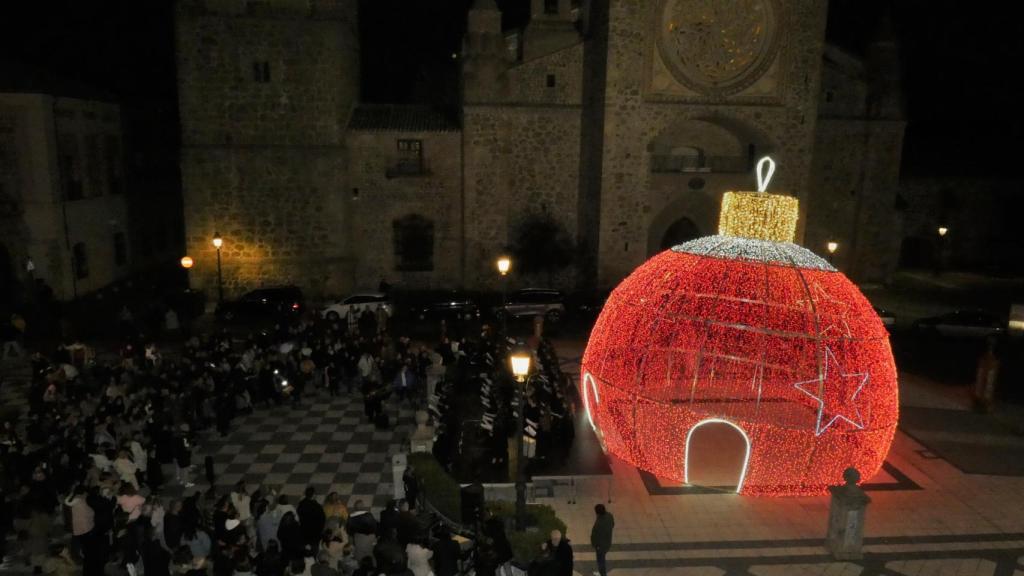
x=414, y=243
x=80, y=260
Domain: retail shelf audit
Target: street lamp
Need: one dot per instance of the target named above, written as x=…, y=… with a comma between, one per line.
x=520, y=360
x=939, y=264
x=504, y=265
x=217, y=243
x=187, y=262
x=30, y=269
x=832, y=247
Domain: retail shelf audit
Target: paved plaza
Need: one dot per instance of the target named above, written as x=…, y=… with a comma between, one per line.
x=928, y=516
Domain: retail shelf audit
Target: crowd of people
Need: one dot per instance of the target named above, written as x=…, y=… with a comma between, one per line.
x=102, y=472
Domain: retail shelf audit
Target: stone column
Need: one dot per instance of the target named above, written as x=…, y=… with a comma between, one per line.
x=846, y=518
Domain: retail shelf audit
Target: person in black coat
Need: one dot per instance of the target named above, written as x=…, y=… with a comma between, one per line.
x=96, y=552
x=289, y=534
x=446, y=553
x=412, y=487
x=270, y=562
x=183, y=456
x=311, y=518
x=557, y=557
x=388, y=519
x=173, y=526
x=155, y=558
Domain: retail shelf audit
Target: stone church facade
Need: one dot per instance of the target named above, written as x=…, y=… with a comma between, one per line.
x=624, y=121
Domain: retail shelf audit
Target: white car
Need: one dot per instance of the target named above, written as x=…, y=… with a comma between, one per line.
x=357, y=303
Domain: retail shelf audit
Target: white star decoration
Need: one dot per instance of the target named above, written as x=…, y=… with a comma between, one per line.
x=843, y=409
x=839, y=323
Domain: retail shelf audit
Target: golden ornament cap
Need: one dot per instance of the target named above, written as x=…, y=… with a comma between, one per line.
x=759, y=215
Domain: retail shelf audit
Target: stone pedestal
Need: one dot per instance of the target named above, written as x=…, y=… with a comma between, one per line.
x=399, y=463
x=434, y=373
x=422, y=439
x=846, y=518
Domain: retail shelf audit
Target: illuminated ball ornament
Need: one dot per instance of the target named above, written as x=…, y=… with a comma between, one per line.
x=748, y=329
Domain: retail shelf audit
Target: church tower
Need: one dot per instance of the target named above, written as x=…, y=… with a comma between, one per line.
x=265, y=92
x=483, y=55
x=885, y=94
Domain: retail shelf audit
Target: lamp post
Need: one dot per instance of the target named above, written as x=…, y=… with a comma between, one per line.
x=217, y=243
x=832, y=246
x=939, y=264
x=520, y=360
x=504, y=265
x=30, y=270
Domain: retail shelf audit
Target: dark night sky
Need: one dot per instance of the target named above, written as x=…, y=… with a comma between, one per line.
x=958, y=58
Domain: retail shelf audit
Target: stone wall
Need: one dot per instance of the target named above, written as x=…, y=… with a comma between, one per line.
x=436, y=195
x=855, y=175
x=518, y=160
x=528, y=80
x=312, y=83
x=265, y=91
x=280, y=211
x=855, y=186
x=779, y=111
x=982, y=215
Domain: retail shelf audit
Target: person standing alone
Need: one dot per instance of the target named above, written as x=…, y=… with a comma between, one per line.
x=601, y=537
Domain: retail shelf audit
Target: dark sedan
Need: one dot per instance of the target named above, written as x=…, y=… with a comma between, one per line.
x=962, y=324
x=451, y=306
x=263, y=303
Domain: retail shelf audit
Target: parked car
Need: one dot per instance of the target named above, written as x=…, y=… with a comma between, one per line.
x=887, y=317
x=263, y=303
x=962, y=323
x=369, y=300
x=448, y=305
x=533, y=302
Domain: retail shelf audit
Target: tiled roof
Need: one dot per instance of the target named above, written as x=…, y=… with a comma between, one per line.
x=377, y=118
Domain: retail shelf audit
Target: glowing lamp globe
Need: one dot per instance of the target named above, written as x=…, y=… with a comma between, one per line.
x=758, y=333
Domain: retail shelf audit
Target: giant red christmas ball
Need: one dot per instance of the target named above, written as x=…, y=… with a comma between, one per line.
x=765, y=336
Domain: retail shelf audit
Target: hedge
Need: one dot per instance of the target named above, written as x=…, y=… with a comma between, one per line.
x=444, y=495
x=440, y=489
x=540, y=521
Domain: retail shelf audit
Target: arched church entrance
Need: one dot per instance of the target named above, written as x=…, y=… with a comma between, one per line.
x=680, y=231
x=717, y=452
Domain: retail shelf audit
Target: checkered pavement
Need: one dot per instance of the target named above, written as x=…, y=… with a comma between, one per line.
x=325, y=442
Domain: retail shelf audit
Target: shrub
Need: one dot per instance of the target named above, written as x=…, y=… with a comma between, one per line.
x=540, y=521
x=438, y=488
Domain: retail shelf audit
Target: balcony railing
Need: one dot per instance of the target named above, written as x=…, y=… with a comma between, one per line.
x=668, y=164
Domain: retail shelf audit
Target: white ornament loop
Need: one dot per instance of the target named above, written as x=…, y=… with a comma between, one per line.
x=763, y=179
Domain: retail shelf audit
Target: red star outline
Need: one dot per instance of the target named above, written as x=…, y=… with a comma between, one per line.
x=836, y=412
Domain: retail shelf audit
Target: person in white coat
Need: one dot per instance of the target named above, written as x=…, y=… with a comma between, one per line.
x=418, y=559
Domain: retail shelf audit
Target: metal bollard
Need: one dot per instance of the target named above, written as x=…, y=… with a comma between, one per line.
x=846, y=518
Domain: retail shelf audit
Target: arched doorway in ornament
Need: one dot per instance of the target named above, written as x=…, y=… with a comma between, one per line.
x=591, y=400
x=717, y=454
